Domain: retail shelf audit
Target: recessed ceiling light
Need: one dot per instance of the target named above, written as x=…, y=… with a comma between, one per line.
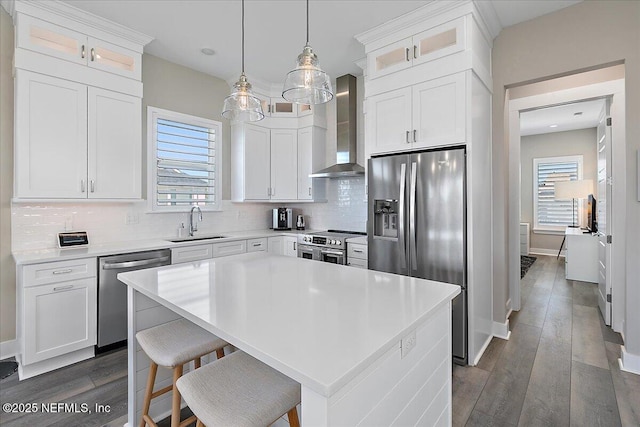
x=579, y=113
x=553, y=126
x=207, y=51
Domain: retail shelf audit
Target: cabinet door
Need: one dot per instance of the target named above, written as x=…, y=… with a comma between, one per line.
x=229, y=248
x=284, y=164
x=115, y=145
x=257, y=245
x=276, y=245
x=439, y=111
x=439, y=41
x=191, y=253
x=50, y=39
x=389, y=59
x=59, y=318
x=389, y=121
x=305, y=163
x=115, y=59
x=50, y=137
x=291, y=246
x=257, y=170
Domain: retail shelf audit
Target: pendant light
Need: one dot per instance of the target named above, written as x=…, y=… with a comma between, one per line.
x=242, y=105
x=307, y=83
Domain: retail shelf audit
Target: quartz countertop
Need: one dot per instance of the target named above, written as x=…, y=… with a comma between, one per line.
x=318, y=323
x=362, y=240
x=95, y=250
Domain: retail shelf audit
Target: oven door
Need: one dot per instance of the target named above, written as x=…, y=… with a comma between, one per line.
x=332, y=256
x=308, y=252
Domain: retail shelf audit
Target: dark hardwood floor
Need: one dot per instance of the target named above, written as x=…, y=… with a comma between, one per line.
x=559, y=368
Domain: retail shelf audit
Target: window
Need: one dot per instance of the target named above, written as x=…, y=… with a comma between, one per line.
x=551, y=214
x=184, y=161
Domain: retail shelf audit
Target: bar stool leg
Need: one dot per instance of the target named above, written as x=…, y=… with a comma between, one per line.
x=199, y=424
x=293, y=417
x=197, y=363
x=175, y=410
x=220, y=353
x=151, y=379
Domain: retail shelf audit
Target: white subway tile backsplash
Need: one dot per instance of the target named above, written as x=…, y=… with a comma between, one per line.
x=36, y=225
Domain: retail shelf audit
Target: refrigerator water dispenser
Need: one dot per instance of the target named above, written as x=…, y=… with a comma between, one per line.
x=385, y=214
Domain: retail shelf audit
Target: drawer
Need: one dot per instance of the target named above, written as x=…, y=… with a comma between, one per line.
x=357, y=262
x=355, y=250
x=257, y=245
x=191, y=253
x=59, y=271
x=230, y=248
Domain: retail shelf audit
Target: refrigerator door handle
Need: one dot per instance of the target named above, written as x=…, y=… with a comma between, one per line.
x=412, y=216
x=402, y=219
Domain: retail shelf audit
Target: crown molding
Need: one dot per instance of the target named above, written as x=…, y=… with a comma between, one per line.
x=44, y=8
x=489, y=17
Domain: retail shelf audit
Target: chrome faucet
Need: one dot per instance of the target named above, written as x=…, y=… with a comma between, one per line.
x=193, y=226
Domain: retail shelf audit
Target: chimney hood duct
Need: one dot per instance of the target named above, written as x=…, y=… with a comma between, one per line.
x=346, y=153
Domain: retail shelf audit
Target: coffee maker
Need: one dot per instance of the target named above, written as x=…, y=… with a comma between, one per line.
x=282, y=219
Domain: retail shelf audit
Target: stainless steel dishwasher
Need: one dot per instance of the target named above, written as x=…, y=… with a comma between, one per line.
x=112, y=293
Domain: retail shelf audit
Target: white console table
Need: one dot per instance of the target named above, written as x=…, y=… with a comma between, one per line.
x=581, y=258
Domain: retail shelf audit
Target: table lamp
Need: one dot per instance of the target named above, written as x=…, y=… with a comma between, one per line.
x=579, y=189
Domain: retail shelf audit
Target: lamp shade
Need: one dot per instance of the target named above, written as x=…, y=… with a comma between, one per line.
x=579, y=189
x=307, y=83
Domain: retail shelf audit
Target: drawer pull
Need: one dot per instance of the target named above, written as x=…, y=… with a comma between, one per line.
x=255, y=245
x=358, y=251
x=93, y=55
x=62, y=288
x=83, y=52
x=66, y=271
x=407, y=54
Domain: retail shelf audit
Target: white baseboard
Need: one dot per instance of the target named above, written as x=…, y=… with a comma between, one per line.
x=482, y=350
x=501, y=330
x=545, y=251
x=8, y=349
x=629, y=362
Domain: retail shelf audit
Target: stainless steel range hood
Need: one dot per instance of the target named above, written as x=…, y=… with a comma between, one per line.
x=346, y=153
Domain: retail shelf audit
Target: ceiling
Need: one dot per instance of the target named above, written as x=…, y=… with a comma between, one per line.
x=560, y=118
x=274, y=30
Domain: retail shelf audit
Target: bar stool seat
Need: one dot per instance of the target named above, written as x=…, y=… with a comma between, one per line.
x=239, y=390
x=173, y=345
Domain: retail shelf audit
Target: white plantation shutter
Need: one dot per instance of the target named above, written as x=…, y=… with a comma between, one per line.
x=185, y=161
x=550, y=213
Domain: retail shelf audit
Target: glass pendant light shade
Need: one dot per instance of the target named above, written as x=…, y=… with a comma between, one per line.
x=307, y=83
x=242, y=105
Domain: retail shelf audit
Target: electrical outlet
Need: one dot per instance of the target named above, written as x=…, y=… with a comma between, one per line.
x=407, y=344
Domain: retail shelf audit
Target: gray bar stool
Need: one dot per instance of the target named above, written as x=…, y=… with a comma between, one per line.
x=240, y=391
x=173, y=345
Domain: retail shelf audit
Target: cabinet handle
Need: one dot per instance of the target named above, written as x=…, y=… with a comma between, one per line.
x=255, y=245
x=65, y=271
x=93, y=54
x=268, y=191
x=407, y=55
x=414, y=135
x=294, y=246
x=309, y=190
x=83, y=52
x=93, y=186
x=358, y=251
x=82, y=187
x=407, y=137
x=273, y=191
x=415, y=52
x=62, y=288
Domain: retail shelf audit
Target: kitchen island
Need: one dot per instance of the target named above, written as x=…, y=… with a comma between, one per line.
x=367, y=347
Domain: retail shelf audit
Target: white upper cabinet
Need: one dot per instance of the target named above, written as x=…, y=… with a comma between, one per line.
x=426, y=46
x=284, y=164
x=250, y=162
x=54, y=40
x=75, y=141
x=426, y=115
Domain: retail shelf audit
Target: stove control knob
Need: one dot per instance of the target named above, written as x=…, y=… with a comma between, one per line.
x=337, y=242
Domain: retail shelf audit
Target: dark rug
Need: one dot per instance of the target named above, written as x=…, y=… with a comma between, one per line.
x=525, y=264
x=7, y=368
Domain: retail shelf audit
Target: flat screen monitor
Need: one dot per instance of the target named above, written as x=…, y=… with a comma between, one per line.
x=592, y=220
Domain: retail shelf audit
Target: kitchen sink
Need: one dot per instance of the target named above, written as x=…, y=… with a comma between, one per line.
x=193, y=239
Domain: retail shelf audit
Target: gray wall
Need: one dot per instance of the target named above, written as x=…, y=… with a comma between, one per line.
x=580, y=37
x=555, y=144
x=7, y=267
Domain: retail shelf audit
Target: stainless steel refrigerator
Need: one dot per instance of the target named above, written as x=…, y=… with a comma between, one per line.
x=416, y=223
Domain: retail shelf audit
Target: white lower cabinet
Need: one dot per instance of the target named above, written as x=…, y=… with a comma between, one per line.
x=257, y=245
x=59, y=318
x=57, y=314
x=284, y=245
x=357, y=255
x=191, y=253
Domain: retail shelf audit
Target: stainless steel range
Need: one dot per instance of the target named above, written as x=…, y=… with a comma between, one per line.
x=327, y=246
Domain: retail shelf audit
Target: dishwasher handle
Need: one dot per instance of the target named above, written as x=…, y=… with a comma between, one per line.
x=130, y=264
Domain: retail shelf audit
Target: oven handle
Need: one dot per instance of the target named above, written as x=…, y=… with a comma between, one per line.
x=328, y=252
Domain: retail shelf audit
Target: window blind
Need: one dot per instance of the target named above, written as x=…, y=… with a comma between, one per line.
x=186, y=164
x=552, y=212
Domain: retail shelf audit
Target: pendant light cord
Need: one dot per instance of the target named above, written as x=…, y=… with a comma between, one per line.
x=307, y=22
x=243, y=36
